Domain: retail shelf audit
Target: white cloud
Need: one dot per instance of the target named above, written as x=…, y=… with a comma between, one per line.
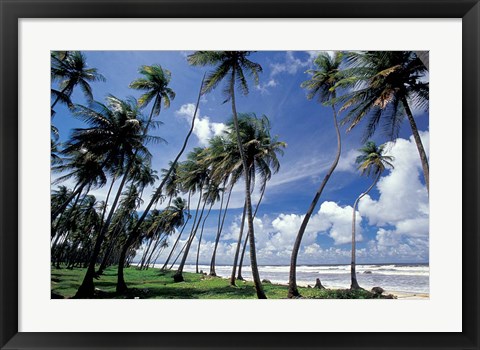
x=263, y=88
x=403, y=201
x=291, y=65
x=203, y=128
x=347, y=161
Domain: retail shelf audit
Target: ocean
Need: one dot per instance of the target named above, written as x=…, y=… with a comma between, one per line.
x=406, y=278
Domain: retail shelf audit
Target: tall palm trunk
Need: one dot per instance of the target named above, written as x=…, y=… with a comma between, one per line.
x=237, y=251
x=292, y=280
x=248, y=198
x=121, y=285
x=201, y=234
x=418, y=142
x=354, y=283
x=178, y=277
x=239, y=275
x=219, y=233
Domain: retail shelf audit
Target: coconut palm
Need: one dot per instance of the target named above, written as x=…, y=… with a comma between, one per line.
x=128, y=142
x=372, y=161
x=82, y=166
x=70, y=69
x=232, y=65
x=172, y=217
x=154, y=82
x=133, y=236
x=194, y=175
x=261, y=150
x=211, y=196
x=322, y=85
x=386, y=85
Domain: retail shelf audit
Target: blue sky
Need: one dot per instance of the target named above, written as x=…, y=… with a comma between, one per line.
x=393, y=218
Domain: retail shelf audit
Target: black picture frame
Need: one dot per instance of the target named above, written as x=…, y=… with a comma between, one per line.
x=12, y=11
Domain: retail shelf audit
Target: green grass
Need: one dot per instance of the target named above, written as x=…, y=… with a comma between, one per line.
x=156, y=284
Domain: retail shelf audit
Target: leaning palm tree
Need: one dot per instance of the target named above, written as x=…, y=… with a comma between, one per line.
x=322, y=84
x=385, y=86
x=372, y=161
x=230, y=65
x=211, y=196
x=195, y=177
x=154, y=82
x=126, y=121
x=70, y=69
x=261, y=149
x=135, y=232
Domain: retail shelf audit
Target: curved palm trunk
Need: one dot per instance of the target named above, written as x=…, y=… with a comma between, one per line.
x=201, y=234
x=418, y=142
x=292, y=281
x=121, y=285
x=248, y=198
x=237, y=251
x=219, y=233
x=178, y=277
x=354, y=283
x=239, y=276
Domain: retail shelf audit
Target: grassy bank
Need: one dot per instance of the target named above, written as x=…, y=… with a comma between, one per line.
x=155, y=284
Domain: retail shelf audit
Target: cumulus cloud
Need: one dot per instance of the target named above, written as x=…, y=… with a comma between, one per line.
x=204, y=129
x=403, y=201
x=347, y=161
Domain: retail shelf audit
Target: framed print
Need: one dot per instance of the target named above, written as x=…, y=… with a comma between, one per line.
x=154, y=134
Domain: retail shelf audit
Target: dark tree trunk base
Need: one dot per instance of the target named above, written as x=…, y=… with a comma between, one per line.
x=293, y=293
x=121, y=288
x=355, y=285
x=178, y=278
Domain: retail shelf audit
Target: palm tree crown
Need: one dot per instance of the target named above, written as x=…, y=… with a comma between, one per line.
x=154, y=82
x=227, y=62
x=372, y=160
x=70, y=69
x=382, y=82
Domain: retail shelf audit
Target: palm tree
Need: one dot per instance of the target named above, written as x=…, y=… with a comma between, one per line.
x=231, y=65
x=261, y=150
x=83, y=166
x=195, y=177
x=127, y=132
x=210, y=197
x=172, y=217
x=385, y=84
x=70, y=69
x=132, y=237
x=322, y=84
x=372, y=161
x=154, y=82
